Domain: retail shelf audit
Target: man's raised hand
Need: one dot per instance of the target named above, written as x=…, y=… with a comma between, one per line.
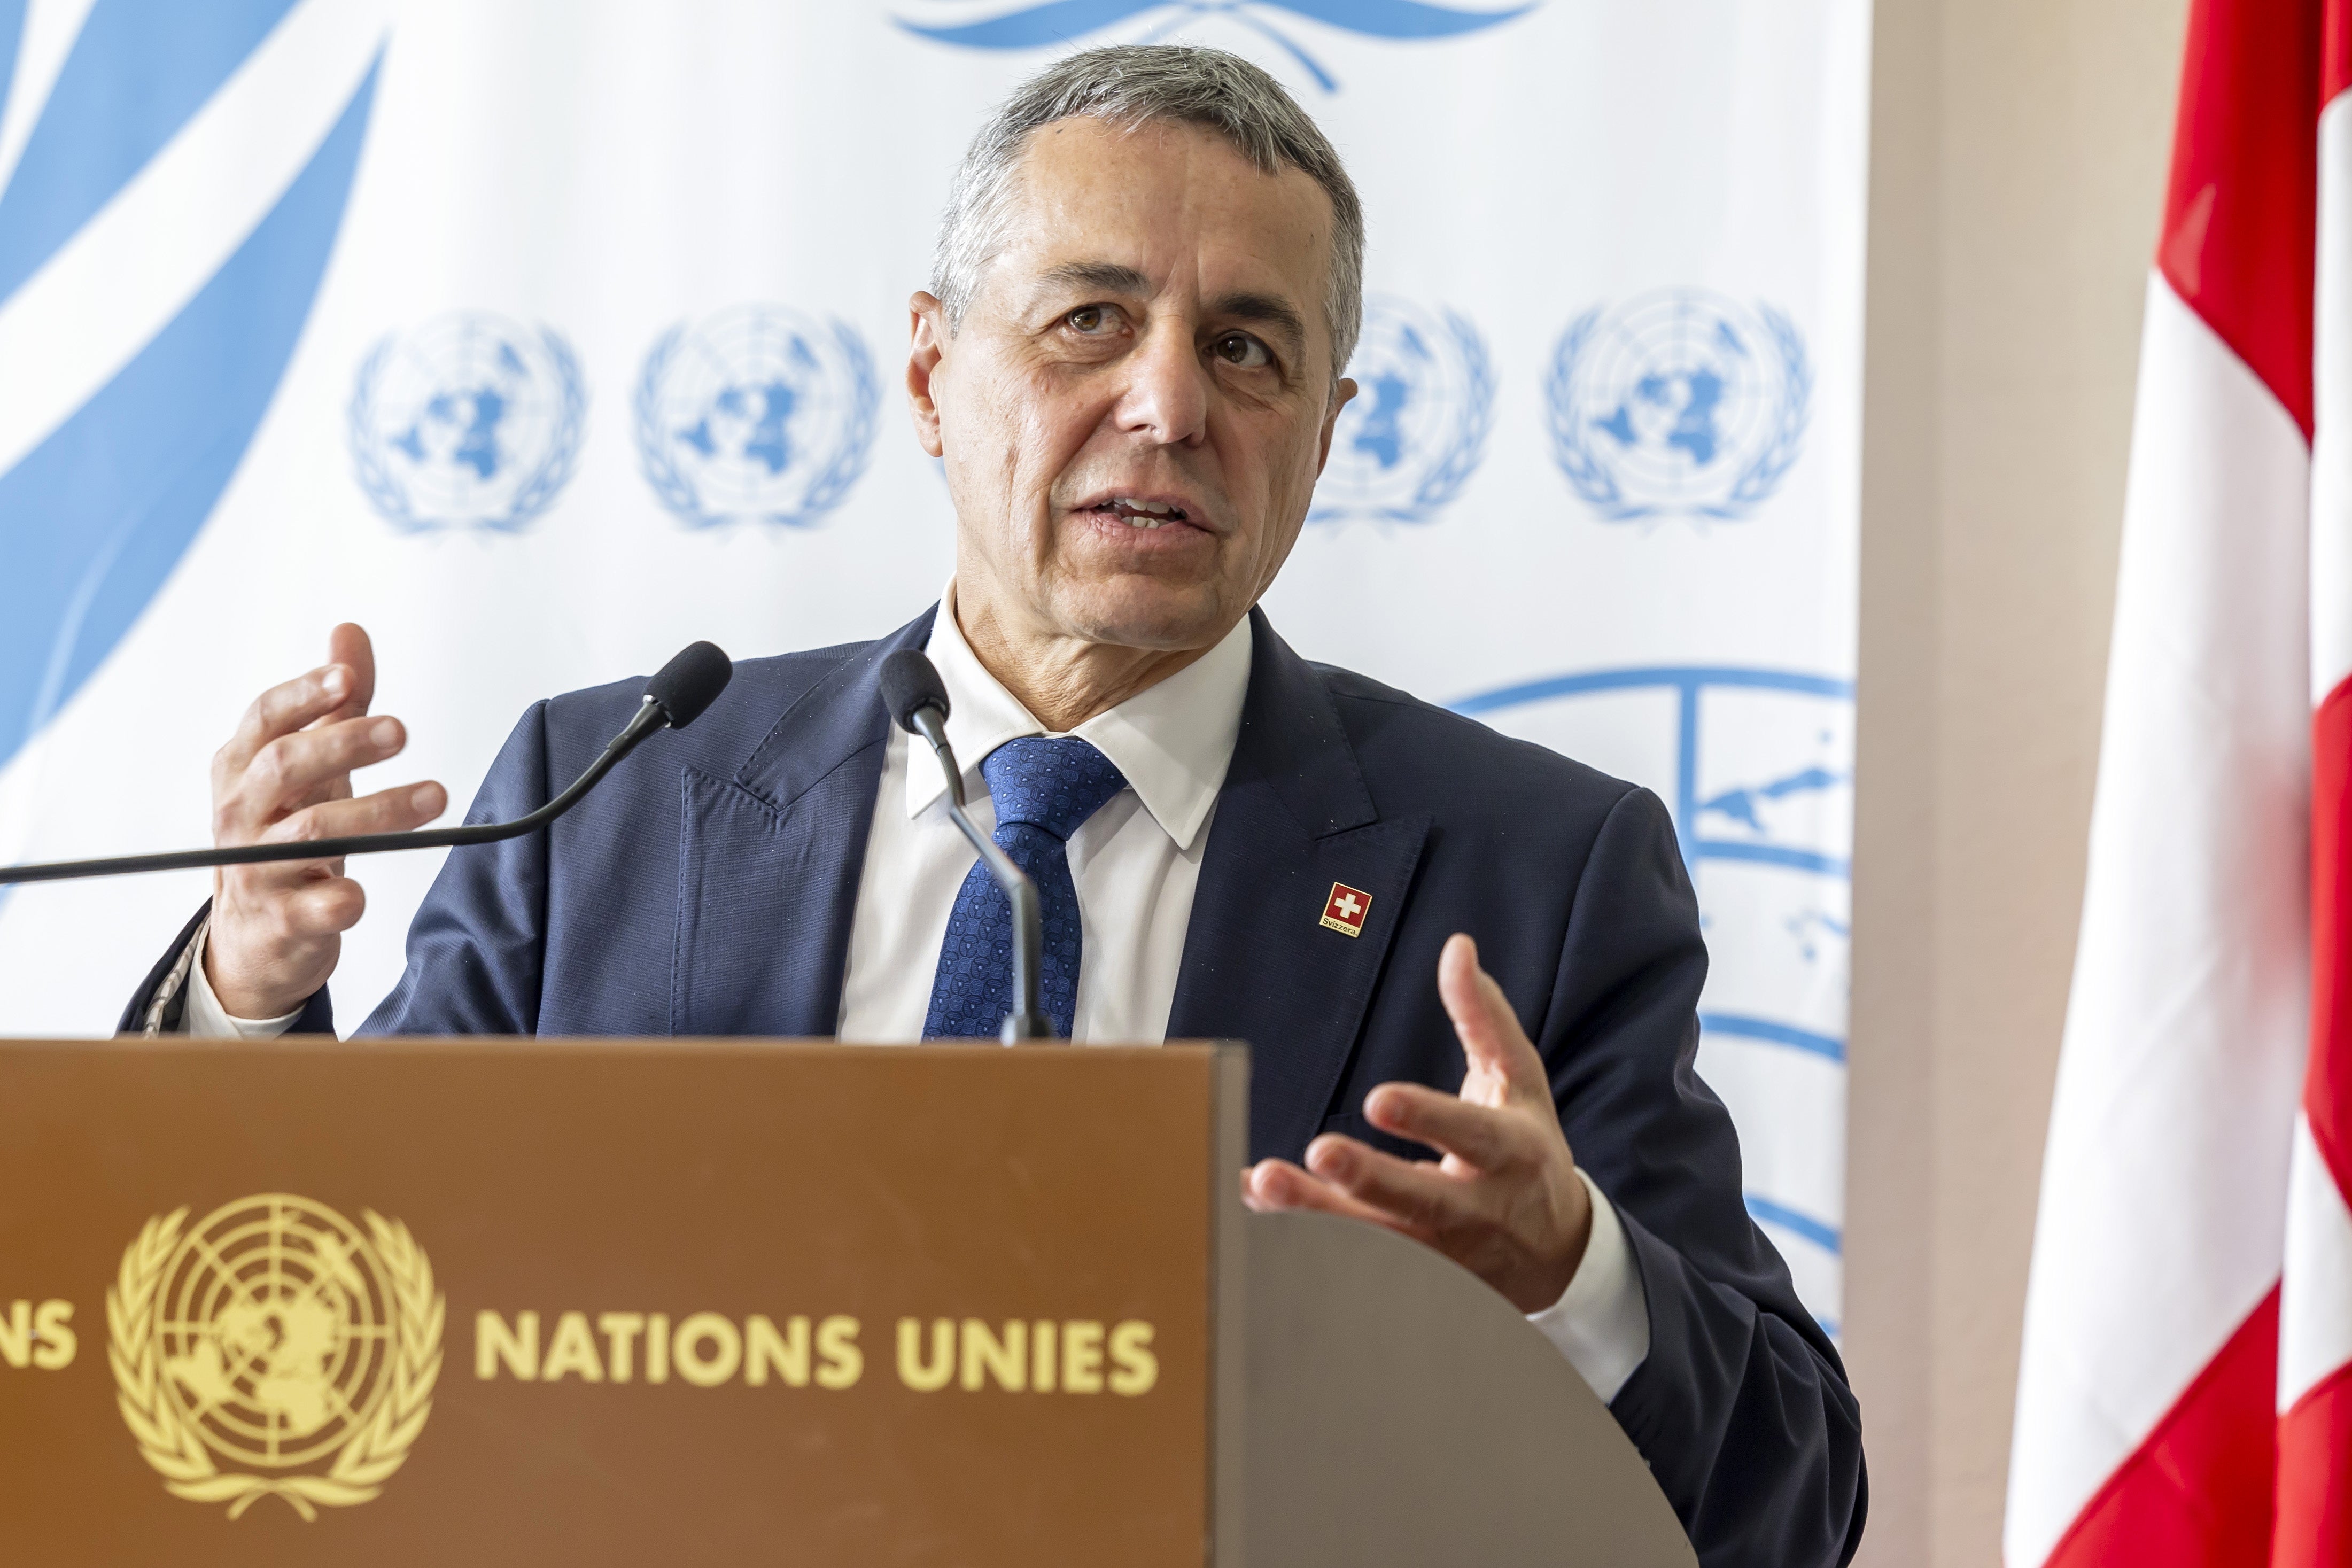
x=1506, y=1201
x=286, y=776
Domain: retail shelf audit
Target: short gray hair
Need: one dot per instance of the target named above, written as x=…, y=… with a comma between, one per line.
x=1128, y=87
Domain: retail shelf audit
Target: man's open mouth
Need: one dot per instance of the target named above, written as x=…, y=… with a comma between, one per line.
x=1137, y=513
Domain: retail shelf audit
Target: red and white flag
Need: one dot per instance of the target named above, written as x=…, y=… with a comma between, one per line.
x=2186, y=1393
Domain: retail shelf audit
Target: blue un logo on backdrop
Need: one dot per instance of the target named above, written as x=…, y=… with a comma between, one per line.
x=470, y=421
x=1680, y=401
x=1417, y=426
x=1055, y=23
x=1757, y=767
x=755, y=414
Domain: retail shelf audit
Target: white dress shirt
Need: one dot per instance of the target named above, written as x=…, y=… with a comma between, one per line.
x=1136, y=864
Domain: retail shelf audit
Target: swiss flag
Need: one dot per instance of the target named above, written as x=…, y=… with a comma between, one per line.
x=2186, y=1393
x=1345, y=910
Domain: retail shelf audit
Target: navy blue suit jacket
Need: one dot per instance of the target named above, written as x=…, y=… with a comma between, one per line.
x=706, y=889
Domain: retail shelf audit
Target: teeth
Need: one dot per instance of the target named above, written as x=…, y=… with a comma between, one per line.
x=1143, y=513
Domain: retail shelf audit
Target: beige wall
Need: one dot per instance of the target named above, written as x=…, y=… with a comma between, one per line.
x=2018, y=158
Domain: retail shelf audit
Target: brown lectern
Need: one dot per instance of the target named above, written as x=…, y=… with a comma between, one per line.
x=615, y=1302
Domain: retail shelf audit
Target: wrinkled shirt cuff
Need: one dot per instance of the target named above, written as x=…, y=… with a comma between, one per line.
x=1602, y=1323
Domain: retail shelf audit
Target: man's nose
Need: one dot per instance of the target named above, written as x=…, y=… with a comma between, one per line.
x=1167, y=394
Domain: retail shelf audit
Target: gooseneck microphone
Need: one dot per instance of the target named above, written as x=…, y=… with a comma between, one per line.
x=916, y=699
x=673, y=698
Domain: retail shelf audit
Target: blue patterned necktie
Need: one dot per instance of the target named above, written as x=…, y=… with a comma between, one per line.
x=1042, y=789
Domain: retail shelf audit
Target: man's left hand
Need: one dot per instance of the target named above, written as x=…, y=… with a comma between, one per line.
x=1506, y=1201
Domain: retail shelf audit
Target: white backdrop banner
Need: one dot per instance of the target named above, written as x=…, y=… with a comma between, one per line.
x=543, y=336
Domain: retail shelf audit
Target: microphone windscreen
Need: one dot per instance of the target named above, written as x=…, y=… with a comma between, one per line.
x=691, y=682
x=908, y=684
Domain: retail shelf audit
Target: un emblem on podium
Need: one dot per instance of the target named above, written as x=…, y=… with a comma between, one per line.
x=1417, y=427
x=468, y=422
x=755, y=415
x=275, y=1349
x=1678, y=401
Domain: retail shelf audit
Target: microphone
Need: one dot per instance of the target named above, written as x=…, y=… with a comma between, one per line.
x=917, y=700
x=673, y=698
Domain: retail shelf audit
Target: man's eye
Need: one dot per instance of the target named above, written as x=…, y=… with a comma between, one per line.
x=1087, y=318
x=1240, y=350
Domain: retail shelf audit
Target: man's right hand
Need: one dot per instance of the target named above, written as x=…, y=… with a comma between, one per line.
x=286, y=775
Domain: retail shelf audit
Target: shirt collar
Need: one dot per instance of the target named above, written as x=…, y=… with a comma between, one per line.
x=1173, y=741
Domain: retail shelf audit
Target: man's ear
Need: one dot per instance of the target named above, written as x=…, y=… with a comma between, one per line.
x=926, y=344
x=1340, y=397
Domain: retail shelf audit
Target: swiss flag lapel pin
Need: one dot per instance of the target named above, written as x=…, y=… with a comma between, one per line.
x=1345, y=910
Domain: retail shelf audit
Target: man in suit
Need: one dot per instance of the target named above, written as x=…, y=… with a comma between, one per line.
x=1438, y=940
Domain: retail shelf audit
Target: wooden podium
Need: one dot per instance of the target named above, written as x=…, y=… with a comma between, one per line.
x=619, y=1302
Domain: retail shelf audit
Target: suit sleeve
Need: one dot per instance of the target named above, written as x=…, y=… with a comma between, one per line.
x=160, y=1005
x=478, y=947
x=1741, y=1408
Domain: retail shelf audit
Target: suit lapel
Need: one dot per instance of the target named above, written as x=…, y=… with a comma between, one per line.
x=768, y=860
x=1294, y=817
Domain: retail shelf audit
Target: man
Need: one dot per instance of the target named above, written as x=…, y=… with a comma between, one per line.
x=1148, y=282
